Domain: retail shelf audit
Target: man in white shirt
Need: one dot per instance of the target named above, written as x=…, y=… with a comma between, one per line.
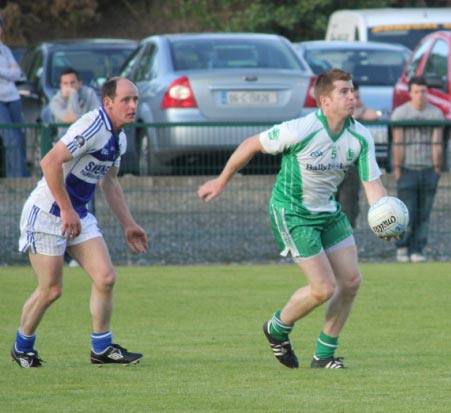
x=55, y=217
x=307, y=222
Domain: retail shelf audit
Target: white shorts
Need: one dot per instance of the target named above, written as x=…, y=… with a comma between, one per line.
x=40, y=231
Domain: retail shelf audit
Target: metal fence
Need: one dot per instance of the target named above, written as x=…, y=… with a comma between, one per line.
x=184, y=230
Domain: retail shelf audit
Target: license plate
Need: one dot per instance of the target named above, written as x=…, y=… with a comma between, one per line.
x=249, y=98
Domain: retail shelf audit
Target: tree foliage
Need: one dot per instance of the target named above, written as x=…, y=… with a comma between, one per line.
x=29, y=21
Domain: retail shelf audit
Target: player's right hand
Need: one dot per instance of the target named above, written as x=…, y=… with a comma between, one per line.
x=210, y=190
x=71, y=225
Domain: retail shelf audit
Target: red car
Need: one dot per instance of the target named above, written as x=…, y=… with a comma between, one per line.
x=431, y=59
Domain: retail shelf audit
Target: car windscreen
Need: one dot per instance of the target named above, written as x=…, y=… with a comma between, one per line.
x=94, y=66
x=368, y=67
x=202, y=54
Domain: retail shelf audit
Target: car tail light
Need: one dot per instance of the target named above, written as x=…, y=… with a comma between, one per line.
x=179, y=95
x=310, y=101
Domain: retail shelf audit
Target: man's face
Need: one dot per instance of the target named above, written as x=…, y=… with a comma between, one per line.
x=68, y=83
x=341, y=100
x=122, y=109
x=418, y=95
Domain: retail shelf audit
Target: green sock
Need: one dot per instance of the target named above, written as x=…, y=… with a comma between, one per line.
x=326, y=346
x=278, y=329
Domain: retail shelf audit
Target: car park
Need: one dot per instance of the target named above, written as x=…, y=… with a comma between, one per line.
x=195, y=88
x=374, y=66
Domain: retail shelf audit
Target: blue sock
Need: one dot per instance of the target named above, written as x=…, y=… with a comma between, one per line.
x=100, y=341
x=25, y=344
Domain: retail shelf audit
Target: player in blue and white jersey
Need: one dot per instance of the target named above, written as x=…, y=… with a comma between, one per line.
x=307, y=221
x=55, y=218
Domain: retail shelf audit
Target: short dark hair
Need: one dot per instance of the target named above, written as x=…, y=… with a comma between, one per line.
x=70, y=71
x=417, y=80
x=109, y=88
x=324, y=84
x=356, y=86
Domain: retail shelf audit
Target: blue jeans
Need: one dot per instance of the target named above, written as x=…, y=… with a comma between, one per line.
x=13, y=140
x=417, y=188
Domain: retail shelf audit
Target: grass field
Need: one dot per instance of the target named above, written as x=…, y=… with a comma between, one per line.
x=200, y=331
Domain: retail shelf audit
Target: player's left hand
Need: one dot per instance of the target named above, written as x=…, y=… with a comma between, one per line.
x=136, y=239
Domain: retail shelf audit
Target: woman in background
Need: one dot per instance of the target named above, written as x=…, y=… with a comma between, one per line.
x=11, y=112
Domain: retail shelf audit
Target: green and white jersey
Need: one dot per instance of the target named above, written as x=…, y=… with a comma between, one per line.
x=314, y=161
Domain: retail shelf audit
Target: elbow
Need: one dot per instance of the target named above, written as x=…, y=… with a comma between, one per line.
x=44, y=163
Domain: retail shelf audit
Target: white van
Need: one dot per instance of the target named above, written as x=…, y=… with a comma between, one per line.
x=405, y=26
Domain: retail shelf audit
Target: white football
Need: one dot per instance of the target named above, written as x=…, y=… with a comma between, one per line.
x=388, y=217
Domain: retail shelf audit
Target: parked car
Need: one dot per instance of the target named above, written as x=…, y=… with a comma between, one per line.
x=189, y=81
x=431, y=59
x=94, y=59
x=374, y=66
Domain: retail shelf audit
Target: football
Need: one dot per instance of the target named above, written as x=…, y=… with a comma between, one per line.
x=388, y=217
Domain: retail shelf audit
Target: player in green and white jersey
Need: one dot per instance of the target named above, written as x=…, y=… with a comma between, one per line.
x=307, y=221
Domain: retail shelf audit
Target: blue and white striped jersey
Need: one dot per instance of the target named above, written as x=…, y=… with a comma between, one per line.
x=95, y=149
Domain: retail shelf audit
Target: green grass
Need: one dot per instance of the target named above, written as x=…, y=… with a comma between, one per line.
x=200, y=331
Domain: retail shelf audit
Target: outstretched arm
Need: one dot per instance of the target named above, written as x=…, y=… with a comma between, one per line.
x=242, y=155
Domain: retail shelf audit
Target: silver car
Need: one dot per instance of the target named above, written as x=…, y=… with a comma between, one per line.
x=204, y=93
x=375, y=66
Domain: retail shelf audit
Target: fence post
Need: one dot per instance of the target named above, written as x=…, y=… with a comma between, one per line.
x=46, y=139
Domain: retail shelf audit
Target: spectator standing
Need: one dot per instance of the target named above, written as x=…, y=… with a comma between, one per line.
x=417, y=159
x=348, y=191
x=11, y=112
